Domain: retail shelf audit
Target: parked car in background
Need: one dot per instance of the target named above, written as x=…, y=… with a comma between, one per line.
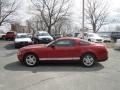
x=9, y=35
x=42, y=37
x=56, y=36
x=66, y=48
x=117, y=44
x=79, y=35
x=2, y=35
x=22, y=39
x=68, y=35
x=114, y=35
x=93, y=37
x=106, y=38
x=30, y=35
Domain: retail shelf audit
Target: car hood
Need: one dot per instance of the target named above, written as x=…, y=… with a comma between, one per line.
x=23, y=40
x=96, y=37
x=34, y=46
x=40, y=37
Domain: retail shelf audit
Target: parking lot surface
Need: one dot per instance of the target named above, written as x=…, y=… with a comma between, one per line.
x=57, y=76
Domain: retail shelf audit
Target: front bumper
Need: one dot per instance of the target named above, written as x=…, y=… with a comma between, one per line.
x=44, y=41
x=20, y=56
x=98, y=41
x=103, y=59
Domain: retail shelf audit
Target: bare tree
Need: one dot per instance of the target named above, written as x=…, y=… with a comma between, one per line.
x=51, y=11
x=63, y=25
x=7, y=8
x=96, y=13
x=36, y=24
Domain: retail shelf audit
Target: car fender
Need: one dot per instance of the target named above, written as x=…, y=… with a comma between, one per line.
x=89, y=52
x=31, y=53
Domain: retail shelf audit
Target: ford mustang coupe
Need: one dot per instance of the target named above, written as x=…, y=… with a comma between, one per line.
x=66, y=48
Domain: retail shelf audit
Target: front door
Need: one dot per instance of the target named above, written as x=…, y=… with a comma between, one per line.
x=62, y=50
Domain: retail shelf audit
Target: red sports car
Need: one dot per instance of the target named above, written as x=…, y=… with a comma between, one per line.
x=66, y=48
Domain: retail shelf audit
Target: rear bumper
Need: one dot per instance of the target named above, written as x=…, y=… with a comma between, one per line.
x=102, y=59
x=102, y=55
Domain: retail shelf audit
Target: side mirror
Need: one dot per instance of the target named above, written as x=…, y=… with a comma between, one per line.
x=52, y=46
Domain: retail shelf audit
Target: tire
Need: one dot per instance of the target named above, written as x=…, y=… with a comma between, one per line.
x=30, y=60
x=88, y=60
x=3, y=38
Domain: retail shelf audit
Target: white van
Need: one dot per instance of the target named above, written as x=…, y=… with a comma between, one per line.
x=93, y=37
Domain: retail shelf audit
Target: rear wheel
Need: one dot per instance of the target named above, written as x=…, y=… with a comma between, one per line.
x=88, y=60
x=30, y=60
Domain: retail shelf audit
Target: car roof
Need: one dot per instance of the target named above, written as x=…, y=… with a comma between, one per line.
x=22, y=34
x=69, y=38
x=10, y=32
x=42, y=32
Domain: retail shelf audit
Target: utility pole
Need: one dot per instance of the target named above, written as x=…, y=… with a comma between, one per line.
x=83, y=12
x=0, y=8
x=0, y=11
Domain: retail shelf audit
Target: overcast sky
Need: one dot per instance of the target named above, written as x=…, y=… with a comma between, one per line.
x=114, y=8
x=77, y=9
x=114, y=4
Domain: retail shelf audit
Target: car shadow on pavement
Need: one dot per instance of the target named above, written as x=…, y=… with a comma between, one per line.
x=118, y=50
x=10, y=54
x=9, y=46
x=53, y=67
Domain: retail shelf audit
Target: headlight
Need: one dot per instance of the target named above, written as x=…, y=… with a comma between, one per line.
x=19, y=52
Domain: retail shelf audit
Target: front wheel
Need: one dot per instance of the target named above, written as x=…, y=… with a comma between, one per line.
x=30, y=60
x=88, y=60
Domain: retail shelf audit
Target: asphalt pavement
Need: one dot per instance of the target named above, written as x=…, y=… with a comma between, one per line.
x=57, y=76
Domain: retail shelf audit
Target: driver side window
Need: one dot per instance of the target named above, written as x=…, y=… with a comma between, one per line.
x=64, y=43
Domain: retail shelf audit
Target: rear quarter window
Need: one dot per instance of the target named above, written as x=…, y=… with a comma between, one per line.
x=84, y=43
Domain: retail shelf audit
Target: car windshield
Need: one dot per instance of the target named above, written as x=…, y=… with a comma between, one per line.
x=93, y=35
x=22, y=36
x=10, y=32
x=43, y=34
